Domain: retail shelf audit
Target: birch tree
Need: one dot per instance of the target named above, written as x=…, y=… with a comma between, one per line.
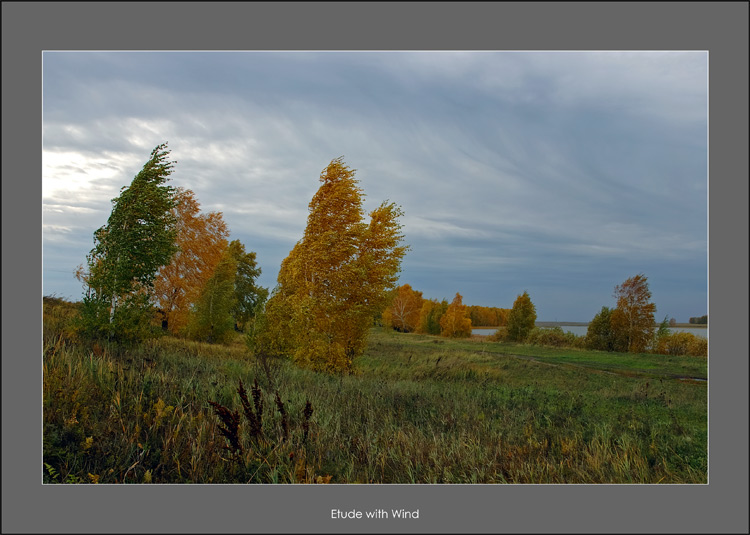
x=138, y=239
x=335, y=277
x=633, y=318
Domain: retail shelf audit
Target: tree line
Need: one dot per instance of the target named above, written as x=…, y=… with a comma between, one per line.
x=629, y=326
x=408, y=312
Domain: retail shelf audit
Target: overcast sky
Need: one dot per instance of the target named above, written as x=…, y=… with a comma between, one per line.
x=559, y=173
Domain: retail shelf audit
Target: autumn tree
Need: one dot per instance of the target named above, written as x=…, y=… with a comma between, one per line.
x=633, y=318
x=522, y=318
x=211, y=318
x=138, y=239
x=456, y=323
x=403, y=312
x=600, y=334
x=334, y=278
x=502, y=316
x=201, y=240
x=430, y=314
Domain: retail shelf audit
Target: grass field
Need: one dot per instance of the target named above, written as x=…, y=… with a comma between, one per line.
x=420, y=409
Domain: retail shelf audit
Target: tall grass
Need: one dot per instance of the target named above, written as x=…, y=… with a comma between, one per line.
x=419, y=409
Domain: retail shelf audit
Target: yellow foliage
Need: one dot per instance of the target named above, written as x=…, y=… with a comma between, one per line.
x=633, y=319
x=680, y=343
x=335, y=277
x=456, y=323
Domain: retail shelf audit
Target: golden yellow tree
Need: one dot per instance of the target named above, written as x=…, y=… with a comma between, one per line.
x=201, y=241
x=633, y=319
x=403, y=312
x=456, y=322
x=335, y=277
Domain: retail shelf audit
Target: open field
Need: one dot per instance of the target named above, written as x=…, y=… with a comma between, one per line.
x=420, y=409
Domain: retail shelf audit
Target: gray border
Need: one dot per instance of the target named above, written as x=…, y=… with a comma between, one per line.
x=720, y=28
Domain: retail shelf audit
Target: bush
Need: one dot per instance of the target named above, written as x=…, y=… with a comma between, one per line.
x=555, y=337
x=501, y=335
x=58, y=317
x=133, y=320
x=680, y=343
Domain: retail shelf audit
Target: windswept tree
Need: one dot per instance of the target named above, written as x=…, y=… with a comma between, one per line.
x=403, y=312
x=138, y=239
x=633, y=318
x=456, y=323
x=201, y=241
x=522, y=318
x=334, y=278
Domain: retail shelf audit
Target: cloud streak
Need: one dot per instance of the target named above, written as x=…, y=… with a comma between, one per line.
x=516, y=170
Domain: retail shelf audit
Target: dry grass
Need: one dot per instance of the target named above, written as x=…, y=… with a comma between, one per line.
x=419, y=410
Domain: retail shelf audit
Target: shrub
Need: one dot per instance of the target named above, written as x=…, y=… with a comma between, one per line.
x=58, y=316
x=501, y=335
x=554, y=337
x=547, y=337
x=133, y=322
x=680, y=343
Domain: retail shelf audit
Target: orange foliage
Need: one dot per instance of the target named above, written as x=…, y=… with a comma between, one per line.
x=488, y=316
x=633, y=319
x=202, y=239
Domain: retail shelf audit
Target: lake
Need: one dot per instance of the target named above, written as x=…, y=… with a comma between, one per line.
x=580, y=330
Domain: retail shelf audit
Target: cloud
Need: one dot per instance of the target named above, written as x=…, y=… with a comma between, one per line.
x=513, y=168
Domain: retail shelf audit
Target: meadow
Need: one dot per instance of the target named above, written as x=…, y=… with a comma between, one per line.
x=418, y=409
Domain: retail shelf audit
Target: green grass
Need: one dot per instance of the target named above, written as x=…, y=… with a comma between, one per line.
x=420, y=409
x=625, y=363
